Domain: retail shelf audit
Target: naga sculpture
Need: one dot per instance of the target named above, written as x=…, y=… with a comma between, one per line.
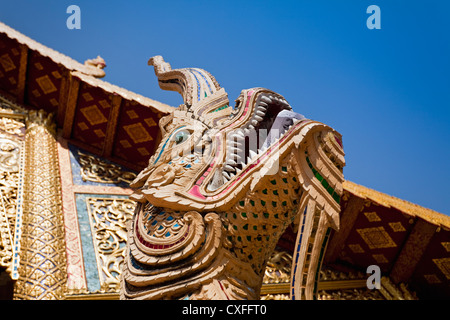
x=222, y=187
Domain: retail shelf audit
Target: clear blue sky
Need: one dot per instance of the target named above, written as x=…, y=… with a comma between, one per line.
x=387, y=91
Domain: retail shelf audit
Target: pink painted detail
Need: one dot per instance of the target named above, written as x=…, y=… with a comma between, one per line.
x=242, y=175
x=338, y=140
x=159, y=246
x=259, y=160
x=195, y=191
x=249, y=94
x=223, y=290
x=200, y=180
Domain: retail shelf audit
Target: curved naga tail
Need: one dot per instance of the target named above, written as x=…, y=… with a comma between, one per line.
x=193, y=84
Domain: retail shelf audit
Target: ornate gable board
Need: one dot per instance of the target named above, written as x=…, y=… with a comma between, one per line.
x=59, y=84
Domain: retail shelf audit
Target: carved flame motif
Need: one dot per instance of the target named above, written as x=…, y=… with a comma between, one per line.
x=96, y=170
x=222, y=187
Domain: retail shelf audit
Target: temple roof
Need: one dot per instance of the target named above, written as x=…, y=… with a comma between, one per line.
x=105, y=119
x=408, y=242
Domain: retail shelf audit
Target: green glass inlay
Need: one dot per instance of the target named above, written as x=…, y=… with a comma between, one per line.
x=264, y=191
x=284, y=180
x=275, y=192
x=286, y=191
x=284, y=203
x=319, y=176
x=220, y=108
x=274, y=203
x=324, y=182
x=234, y=216
x=241, y=203
x=330, y=190
x=266, y=215
x=244, y=214
x=336, y=198
x=249, y=238
x=284, y=169
x=274, y=182
x=245, y=226
x=255, y=227
x=263, y=202
x=239, y=238
x=252, y=202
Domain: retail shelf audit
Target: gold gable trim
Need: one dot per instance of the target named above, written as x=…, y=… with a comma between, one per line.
x=407, y=207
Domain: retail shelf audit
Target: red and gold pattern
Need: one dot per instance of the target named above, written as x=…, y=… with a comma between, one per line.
x=91, y=116
x=9, y=64
x=85, y=104
x=409, y=243
x=44, y=82
x=137, y=132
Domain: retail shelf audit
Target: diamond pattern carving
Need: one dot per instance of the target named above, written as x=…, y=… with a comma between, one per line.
x=372, y=216
x=138, y=133
x=93, y=115
x=376, y=238
x=7, y=63
x=444, y=265
x=46, y=84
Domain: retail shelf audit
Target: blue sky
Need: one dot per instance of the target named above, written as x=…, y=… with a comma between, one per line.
x=387, y=91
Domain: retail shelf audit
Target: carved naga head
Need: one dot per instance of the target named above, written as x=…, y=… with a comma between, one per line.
x=238, y=177
x=210, y=152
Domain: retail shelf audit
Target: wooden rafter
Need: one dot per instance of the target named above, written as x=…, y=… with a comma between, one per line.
x=74, y=86
x=112, y=125
x=22, y=77
x=412, y=251
x=348, y=218
x=63, y=96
